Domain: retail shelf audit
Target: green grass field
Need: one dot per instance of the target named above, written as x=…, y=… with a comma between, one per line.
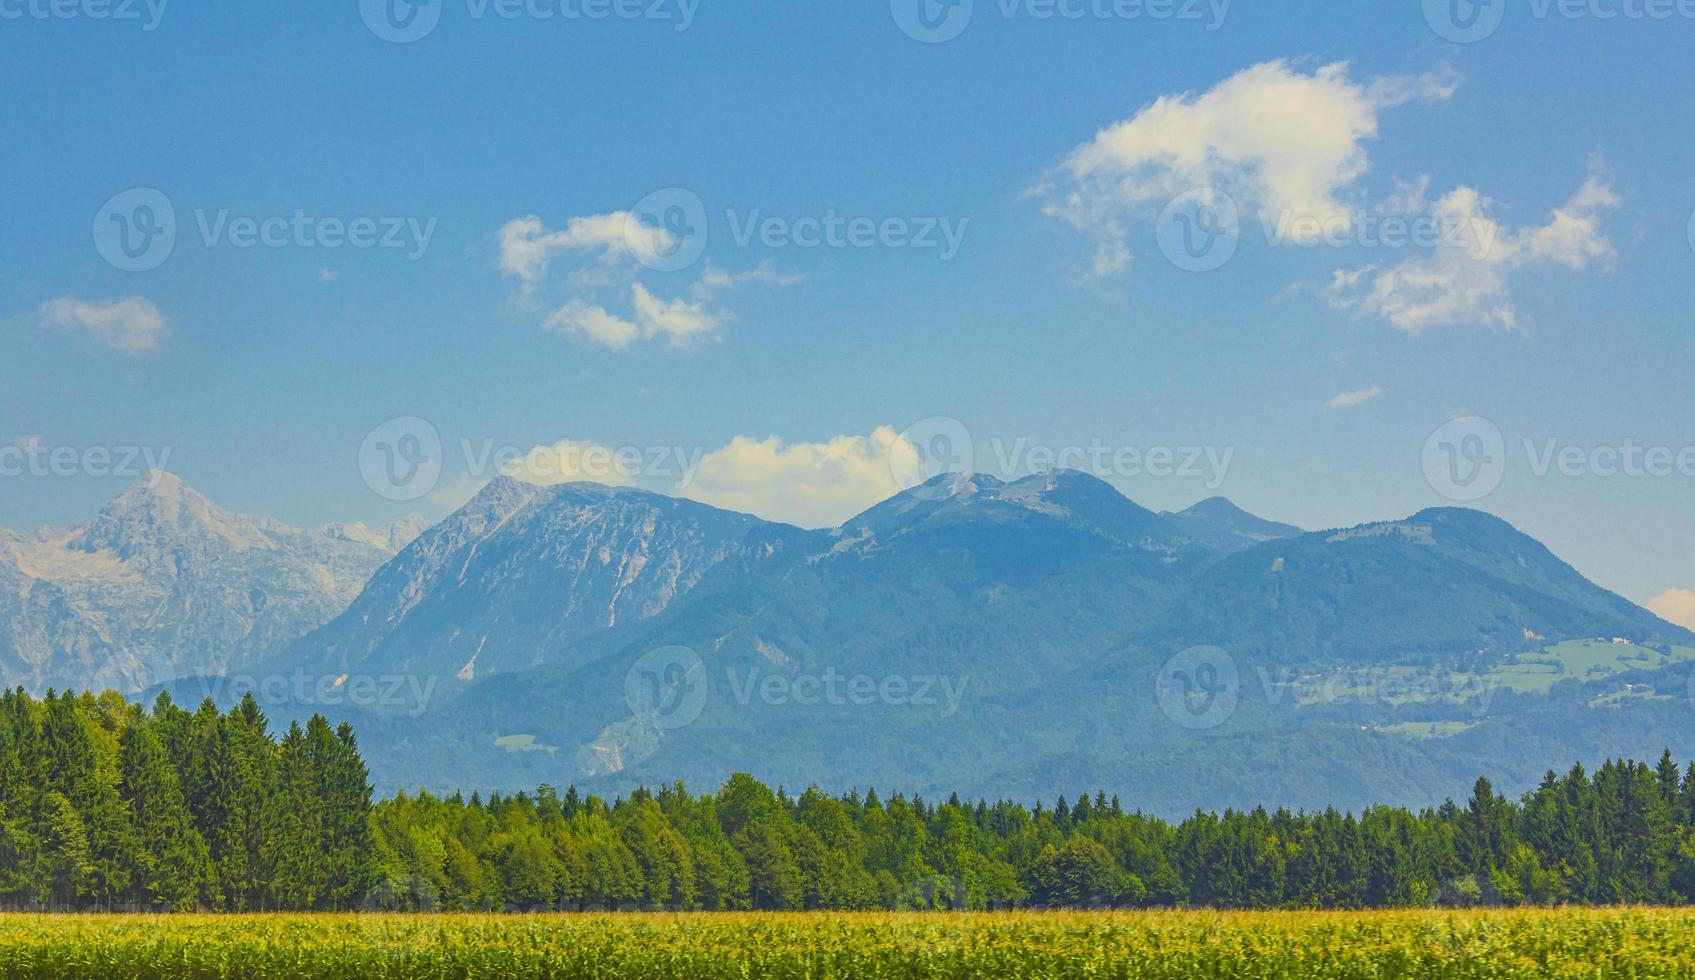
x=1641, y=944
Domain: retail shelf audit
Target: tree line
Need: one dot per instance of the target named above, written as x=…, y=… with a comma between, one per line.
x=106, y=806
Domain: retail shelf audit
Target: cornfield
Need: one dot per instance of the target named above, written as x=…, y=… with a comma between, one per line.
x=1534, y=945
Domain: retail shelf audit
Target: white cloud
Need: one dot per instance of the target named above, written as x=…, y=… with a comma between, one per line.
x=716, y=278
x=1349, y=399
x=594, y=323
x=327, y=274
x=132, y=325
x=614, y=251
x=527, y=247
x=678, y=320
x=1464, y=279
x=1675, y=606
x=577, y=461
x=1274, y=138
x=811, y=484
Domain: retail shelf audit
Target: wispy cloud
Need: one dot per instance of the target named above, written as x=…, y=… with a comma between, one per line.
x=132, y=325
x=1466, y=281
x=605, y=301
x=1350, y=399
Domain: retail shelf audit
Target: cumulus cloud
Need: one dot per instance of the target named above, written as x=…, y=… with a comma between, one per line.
x=1273, y=137
x=527, y=248
x=677, y=320
x=1675, y=606
x=1349, y=399
x=716, y=278
x=811, y=484
x=579, y=461
x=1464, y=278
x=132, y=325
x=593, y=323
x=604, y=300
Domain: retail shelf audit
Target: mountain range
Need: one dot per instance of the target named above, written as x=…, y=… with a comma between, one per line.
x=1024, y=638
x=163, y=583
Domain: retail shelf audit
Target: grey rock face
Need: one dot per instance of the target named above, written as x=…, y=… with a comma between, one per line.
x=163, y=583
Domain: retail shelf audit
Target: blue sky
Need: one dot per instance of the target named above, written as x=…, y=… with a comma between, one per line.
x=1052, y=318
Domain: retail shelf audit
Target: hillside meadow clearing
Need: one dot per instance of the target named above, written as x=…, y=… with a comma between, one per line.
x=1635, y=943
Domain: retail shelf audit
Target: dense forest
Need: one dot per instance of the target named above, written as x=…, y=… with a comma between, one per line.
x=106, y=806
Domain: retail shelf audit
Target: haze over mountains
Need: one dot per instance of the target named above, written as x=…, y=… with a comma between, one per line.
x=163, y=583
x=1015, y=637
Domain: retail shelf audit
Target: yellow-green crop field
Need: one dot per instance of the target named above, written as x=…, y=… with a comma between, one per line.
x=1534, y=945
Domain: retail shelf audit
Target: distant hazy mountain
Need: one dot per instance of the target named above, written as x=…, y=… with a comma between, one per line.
x=163, y=583
x=1217, y=523
x=1448, y=585
x=1004, y=637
